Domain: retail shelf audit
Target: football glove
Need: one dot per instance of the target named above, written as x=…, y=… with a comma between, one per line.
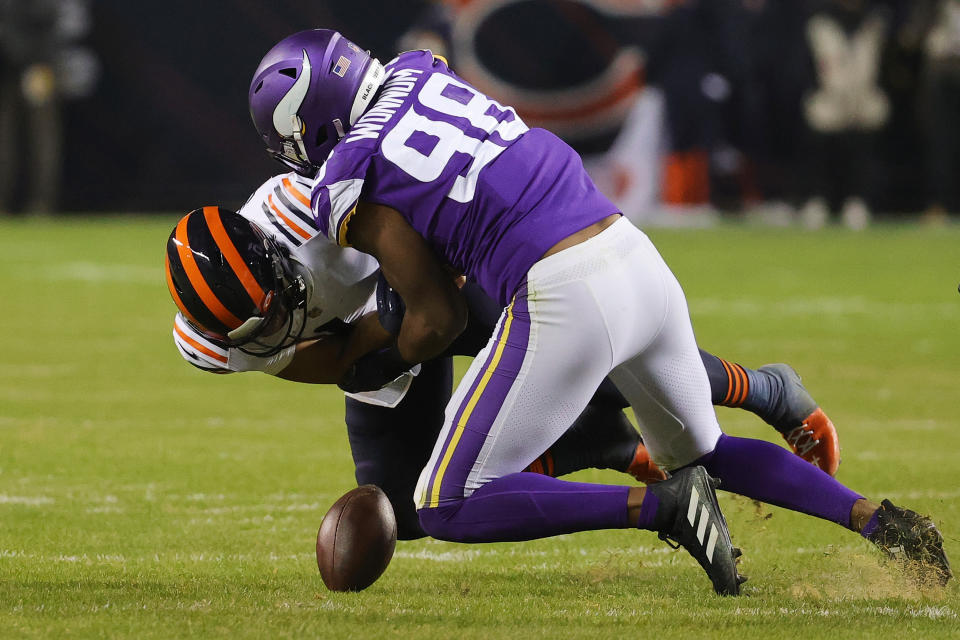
x=374, y=371
x=390, y=306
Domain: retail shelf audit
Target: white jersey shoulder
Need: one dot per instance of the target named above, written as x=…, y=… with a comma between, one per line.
x=340, y=281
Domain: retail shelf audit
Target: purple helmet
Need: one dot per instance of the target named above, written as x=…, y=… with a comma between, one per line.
x=307, y=92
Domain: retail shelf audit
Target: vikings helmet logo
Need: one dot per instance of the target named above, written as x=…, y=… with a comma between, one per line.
x=285, y=119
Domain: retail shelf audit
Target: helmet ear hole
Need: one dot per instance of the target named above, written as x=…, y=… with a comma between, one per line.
x=289, y=72
x=259, y=86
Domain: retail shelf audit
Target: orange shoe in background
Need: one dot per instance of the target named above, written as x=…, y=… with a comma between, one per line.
x=816, y=442
x=643, y=468
x=802, y=422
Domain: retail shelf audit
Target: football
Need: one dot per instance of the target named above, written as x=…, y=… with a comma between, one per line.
x=356, y=539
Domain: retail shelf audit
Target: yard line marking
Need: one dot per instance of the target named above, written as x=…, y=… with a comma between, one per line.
x=99, y=273
x=32, y=501
x=819, y=306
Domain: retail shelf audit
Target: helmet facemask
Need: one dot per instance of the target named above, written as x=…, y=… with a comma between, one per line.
x=284, y=312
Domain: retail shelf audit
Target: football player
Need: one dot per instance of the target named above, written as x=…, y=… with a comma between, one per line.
x=420, y=170
x=223, y=267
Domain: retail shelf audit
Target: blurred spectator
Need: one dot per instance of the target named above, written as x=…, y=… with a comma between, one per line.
x=845, y=109
x=39, y=66
x=687, y=62
x=718, y=122
x=767, y=46
x=713, y=101
x=734, y=72
x=674, y=138
x=432, y=29
x=941, y=109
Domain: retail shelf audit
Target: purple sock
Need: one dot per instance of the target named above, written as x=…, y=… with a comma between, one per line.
x=871, y=525
x=526, y=506
x=648, y=510
x=771, y=474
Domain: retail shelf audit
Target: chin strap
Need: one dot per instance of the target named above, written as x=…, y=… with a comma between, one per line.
x=297, y=124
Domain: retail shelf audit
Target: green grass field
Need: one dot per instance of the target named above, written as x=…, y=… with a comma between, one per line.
x=142, y=498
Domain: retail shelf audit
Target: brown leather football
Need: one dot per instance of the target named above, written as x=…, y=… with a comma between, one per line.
x=356, y=539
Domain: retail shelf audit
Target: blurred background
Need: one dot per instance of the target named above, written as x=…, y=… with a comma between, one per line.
x=686, y=111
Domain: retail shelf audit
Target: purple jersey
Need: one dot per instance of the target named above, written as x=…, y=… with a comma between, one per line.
x=489, y=195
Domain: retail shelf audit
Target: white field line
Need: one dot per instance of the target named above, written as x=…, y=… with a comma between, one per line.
x=830, y=548
x=863, y=612
x=98, y=273
x=926, y=494
x=932, y=613
x=37, y=370
x=205, y=497
x=156, y=558
x=32, y=501
x=105, y=509
x=470, y=554
x=242, y=508
x=443, y=556
x=820, y=306
x=853, y=611
x=184, y=503
x=420, y=554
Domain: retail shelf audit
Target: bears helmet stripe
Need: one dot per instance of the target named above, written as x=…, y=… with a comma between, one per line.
x=236, y=262
x=186, y=299
x=176, y=296
x=199, y=284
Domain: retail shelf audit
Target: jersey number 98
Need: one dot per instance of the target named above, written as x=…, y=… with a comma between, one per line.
x=459, y=101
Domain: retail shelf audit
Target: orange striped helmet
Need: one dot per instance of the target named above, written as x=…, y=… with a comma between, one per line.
x=232, y=281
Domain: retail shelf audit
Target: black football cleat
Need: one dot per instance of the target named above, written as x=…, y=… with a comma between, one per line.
x=912, y=539
x=694, y=521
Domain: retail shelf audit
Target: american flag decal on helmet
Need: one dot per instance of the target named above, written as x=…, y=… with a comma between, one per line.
x=340, y=68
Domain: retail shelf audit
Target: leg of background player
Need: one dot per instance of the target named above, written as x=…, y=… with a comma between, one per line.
x=774, y=393
x=603, y=438
x=391, y=446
